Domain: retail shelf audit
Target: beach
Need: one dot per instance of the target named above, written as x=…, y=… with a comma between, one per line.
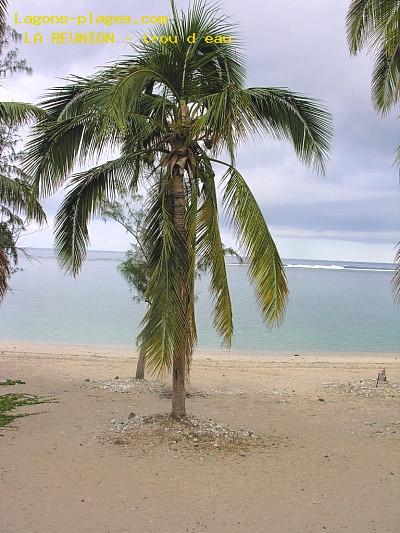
x=330, y=461
x=202, y=192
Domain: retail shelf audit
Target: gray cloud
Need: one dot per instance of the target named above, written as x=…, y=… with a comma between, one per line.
x=301, y=45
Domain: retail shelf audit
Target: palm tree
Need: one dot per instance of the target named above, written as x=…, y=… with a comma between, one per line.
x=130, y=214
x=17, y=197
x=376, y=24
x=396, y=276
x=5, y=272
x=175, y=108
x=3, y=12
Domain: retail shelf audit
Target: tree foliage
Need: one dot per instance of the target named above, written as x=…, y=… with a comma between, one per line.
x=175, y=110
x=18, y=200
x=10, y=62
x=128, y=211
x=376, y=24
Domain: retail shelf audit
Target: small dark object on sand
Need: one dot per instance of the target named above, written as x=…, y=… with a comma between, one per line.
x=8, y=382
x=296, y=355
x=381, y=377
x=321, y=400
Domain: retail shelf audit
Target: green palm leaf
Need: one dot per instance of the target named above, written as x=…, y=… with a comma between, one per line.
x=235, y=114
x=299, y=119
x=376, y=24
x=88, y=190
x=3, y=14
x=21, y=198
x=166, y=325
x=369, y=20
x=19, y=113
x=386, y=79
x=266, y=270
x=211, y=250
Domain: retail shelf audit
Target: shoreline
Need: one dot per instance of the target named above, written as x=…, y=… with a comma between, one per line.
x=85, y=351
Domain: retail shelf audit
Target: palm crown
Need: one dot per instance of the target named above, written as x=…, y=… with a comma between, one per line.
x=173, y=109
x=375, y=23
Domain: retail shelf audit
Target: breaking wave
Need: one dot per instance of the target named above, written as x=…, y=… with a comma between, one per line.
x=341, y=267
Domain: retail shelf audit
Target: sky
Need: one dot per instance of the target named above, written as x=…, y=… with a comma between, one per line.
x=351, y=213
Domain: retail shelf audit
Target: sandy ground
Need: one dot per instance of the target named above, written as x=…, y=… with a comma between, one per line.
x=335, y=465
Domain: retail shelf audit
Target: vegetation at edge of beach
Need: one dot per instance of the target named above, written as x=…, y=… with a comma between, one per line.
x=9, y=402
x=8, y=382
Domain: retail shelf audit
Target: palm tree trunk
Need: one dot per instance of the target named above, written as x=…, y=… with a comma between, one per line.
x=5, y=271
x=180, y=358
x=140, y=366
x=179, y=387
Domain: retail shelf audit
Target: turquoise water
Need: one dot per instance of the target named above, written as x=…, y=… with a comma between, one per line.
x=333, y=306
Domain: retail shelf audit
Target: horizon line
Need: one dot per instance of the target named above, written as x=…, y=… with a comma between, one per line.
x=284, y=258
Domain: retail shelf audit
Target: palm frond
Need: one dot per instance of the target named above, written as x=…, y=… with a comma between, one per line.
x=21, y=198
x=86, y=196
x=80, y=126
x=201, y=68
x=3, y=13
x=386, y=78
x=376, y=24
x=167, y=327
x=235, y=114
x=301, y=120
x=57, y=146
x=369, y=20
x=211, y=250
x=266, y=270
x=19, y=113
x=192, y=205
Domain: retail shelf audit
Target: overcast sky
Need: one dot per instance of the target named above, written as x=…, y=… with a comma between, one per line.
x=353, y=212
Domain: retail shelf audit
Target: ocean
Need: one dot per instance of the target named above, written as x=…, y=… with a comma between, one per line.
x=333, y=306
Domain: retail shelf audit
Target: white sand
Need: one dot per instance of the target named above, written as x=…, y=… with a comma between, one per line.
x=336, y=465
